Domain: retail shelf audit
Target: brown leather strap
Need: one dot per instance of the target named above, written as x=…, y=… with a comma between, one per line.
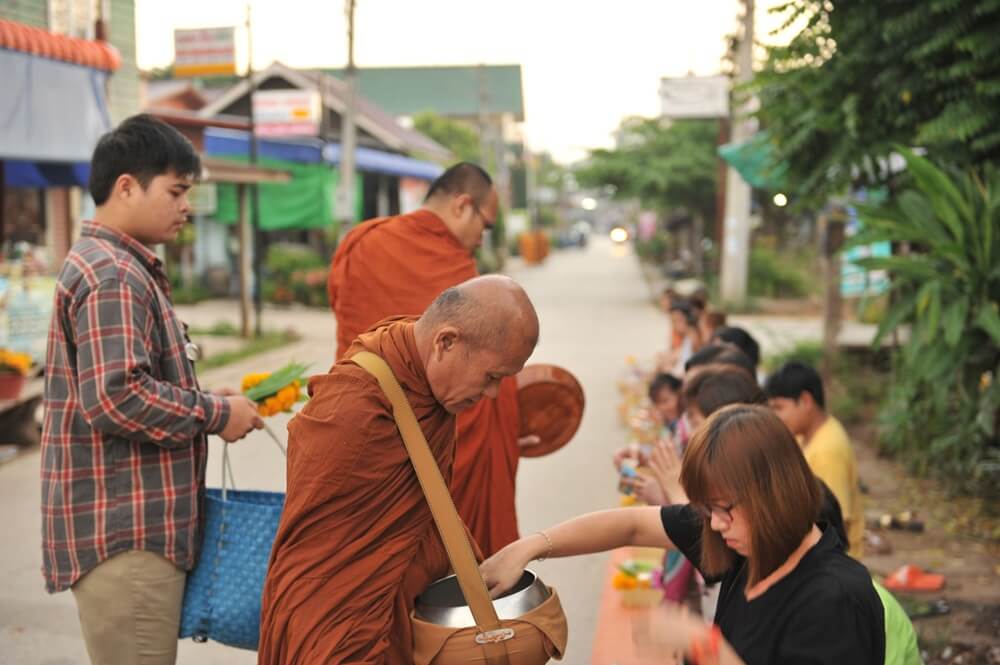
x=450, y=526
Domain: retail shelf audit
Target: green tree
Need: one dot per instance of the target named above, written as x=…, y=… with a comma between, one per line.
x=863, y=76
x=665, y=167
x=459, y=138
x=942, y=408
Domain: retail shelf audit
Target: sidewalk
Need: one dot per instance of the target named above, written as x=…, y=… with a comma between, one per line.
x=316, y=347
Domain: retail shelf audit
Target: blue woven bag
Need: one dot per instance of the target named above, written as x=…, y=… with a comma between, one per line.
x=223, y=594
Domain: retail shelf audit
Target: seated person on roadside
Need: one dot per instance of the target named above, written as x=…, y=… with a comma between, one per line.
x=719, y=354
x=356, y=543
x=698, y=304
x=789, y=593
x=795, y=392
x=665, y=395
x=685, y=340
x=741, y=339
x=667, y=298
x=709, y=322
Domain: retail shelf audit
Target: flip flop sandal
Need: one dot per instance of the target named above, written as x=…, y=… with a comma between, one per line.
x=913, y=578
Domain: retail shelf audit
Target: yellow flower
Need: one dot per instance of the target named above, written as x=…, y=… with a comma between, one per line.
x=252, y=379
x=283, y=400
x=15, y=362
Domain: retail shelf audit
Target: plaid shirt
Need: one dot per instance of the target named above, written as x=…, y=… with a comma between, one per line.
x=124, y=439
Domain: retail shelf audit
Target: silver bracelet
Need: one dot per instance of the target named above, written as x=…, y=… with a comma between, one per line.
x=547, y=540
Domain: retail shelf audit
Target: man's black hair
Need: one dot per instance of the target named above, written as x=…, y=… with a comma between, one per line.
x=462, y=178
x=661, y=381
x=720, y=354
x=144, y=148
x=793, y=379
x=742, y=340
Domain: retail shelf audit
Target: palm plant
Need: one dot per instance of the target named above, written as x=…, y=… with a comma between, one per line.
x=942, y=407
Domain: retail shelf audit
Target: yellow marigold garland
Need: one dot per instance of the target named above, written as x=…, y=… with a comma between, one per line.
x=282, y=400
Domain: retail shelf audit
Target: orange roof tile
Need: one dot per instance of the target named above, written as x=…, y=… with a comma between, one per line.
x=94, y=54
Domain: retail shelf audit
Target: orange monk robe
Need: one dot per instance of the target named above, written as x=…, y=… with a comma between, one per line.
x=399, y=265
x=392, y=266
x=356, y=542
x=486, y=466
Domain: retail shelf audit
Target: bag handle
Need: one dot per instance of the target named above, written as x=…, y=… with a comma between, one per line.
x=227, y=466
x=449, y=524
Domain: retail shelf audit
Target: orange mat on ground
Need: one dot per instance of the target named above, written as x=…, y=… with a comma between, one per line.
x=613, y=641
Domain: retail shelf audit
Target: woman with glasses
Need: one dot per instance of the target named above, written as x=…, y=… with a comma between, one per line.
x=789, y=592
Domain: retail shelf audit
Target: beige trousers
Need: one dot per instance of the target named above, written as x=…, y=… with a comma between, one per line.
x=130, y=609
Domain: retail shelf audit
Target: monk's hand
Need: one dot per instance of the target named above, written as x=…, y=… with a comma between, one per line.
x=503, y=570
x=528, y=441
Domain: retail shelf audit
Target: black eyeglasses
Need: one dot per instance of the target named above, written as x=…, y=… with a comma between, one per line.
x=723, y=512
x=487, y=222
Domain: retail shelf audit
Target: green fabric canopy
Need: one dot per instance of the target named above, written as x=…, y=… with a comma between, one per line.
x=754, y=161
x=305, y=202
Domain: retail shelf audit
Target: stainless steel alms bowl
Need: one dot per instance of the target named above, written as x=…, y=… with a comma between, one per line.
x=443, y=603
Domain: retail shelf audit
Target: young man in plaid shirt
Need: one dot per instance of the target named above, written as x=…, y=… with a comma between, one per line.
x=124, y=438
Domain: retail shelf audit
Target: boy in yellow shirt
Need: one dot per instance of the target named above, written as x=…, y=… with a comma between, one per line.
x=795, y=392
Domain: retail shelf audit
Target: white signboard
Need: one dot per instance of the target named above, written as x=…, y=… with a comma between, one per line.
x=204, y=52
x=287, y=112
x=694, y=97
x=25, y=314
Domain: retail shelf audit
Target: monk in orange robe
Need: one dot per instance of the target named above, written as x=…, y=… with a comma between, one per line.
x=356, y=542
x=397, y=265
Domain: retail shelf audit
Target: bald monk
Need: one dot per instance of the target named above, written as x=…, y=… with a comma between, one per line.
x=356, y=542
x=397, y=265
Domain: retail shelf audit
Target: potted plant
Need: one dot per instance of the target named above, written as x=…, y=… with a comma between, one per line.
x=14, y=369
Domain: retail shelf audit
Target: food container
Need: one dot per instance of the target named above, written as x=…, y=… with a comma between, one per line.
x=443, y=603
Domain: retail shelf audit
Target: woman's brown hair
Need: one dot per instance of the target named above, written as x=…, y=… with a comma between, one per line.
x=745, y=454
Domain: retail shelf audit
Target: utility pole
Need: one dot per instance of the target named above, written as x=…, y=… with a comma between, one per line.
x=735, y=251
x=258, y=234
x=348, y=131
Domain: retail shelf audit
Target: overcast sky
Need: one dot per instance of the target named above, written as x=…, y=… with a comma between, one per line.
x=586, y=63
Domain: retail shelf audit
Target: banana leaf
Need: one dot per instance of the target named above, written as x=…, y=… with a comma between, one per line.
x=278, y=380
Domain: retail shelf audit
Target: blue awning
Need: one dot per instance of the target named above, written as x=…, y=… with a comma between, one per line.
x=376, y=161
x=236, y=143
x=41, y=175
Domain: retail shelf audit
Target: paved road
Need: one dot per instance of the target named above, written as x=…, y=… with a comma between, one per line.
x=594, y=309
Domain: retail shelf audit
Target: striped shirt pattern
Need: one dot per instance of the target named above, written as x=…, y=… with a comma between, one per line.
x=124, y=436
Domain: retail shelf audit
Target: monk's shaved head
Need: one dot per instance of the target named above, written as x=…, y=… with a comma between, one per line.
x=493, y=311
x=473, y=336
x=462, y=178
